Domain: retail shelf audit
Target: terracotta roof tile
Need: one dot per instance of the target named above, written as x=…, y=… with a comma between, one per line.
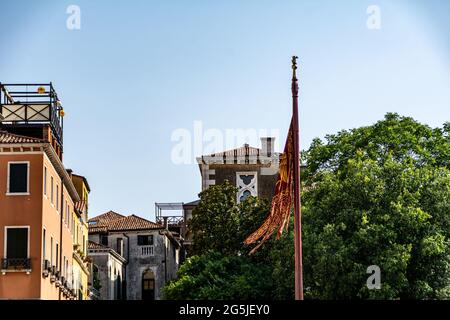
x=133, y=223
x=106, y=218
x=101, y=222
x=95, y=229
x=6, y=137
x=95, y=245
x=113, y=221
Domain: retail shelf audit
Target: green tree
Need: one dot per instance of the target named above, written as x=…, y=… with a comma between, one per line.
x=221, y=224
x=214, y=276
x=221, y=267
x=375, y=195
x=378, y=195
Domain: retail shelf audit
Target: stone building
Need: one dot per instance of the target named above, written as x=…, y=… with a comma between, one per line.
x=150, y=251
x=252, y=170
x=107, y=272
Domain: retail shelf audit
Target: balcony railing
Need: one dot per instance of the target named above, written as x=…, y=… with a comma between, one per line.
x=31, y=103
x=147, y=251
x=16, y=264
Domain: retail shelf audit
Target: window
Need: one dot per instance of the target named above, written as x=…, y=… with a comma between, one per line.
x=104, y=240
x=67, y=215
x=57, y=254
x=66, y=267
x=57, y=198
x=44, y=244
x=146, y=240
x=93, y=223
x=17, y=242
x=247, y=183
x=45, y=180
x=51, y=190
x=18, y=177
x=120, y=246
x=51, y=251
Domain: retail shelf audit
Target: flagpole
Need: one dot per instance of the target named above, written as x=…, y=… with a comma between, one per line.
x=297, y=200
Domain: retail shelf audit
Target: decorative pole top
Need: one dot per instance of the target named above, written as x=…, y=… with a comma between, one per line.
x=294, y=77
x=294, y=66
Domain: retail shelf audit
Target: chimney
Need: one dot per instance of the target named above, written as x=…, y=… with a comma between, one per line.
x=267, y=145
x=166, y=223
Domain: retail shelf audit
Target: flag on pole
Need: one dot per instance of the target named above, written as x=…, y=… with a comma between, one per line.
x=282, y=201
x=287, y=194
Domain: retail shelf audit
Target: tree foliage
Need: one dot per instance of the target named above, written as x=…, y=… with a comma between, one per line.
x=215, y=276
x=378, y=195
x=221, y=224
x=375, y=195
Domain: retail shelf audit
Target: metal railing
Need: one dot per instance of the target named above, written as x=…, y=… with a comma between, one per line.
x=26, y=103
x=16, y=264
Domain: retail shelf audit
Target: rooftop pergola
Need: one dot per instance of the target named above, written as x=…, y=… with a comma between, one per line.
x=175, y=216
x=31, y=103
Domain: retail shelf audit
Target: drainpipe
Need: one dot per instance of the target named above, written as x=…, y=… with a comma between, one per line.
x=125, y=269
x=166, y=227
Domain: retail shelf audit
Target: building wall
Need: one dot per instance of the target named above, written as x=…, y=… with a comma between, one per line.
x=139, y=263
x=36, y=211
x=23, y=210
x=266, y=182
x=80, y=242
x=51, y=220
x=109, y=269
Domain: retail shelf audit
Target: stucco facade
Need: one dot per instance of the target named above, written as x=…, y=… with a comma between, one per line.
x=41, y=210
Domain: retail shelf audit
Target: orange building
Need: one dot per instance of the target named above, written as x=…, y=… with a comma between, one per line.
x=37, y=199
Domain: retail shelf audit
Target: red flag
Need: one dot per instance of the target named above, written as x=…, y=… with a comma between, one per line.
x=287, y=194
x=278, y=218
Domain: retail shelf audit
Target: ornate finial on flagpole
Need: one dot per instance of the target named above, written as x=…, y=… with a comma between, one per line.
x=294, y=66
x=294, y=77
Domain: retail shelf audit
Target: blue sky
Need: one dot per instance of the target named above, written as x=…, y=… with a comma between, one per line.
x=138, y=70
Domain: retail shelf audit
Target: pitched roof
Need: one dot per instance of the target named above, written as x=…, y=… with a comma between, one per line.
x=6, y=137
x=106, y=218
x=133, y=223
x=113, y=221
x=101, y=222
x=245, y=150
x=244, y=154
